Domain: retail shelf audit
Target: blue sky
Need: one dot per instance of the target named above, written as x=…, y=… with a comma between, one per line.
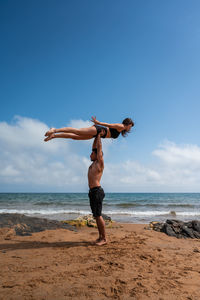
x=63, y=61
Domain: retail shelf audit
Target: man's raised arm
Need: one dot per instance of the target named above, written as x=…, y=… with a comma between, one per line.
x=94, y=143
x=99, y=150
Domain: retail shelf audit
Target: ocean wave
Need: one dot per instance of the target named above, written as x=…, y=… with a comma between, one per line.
x=127, y=205
x=109, y=212
x=181, y=205
x=44, y=212
x=188, y=214
x=59, y=204
x=138, y=213
x=152, y=213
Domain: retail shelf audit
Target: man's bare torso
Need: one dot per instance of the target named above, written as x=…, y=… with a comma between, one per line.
x=95, y=172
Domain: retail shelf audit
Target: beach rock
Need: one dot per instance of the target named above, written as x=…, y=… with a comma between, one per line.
x=196, y=225
x=89, y=221
x=24, y=225
x=173, y=213
x=178, y=228
x=168, y=230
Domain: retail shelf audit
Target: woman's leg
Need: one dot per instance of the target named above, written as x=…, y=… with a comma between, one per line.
x=67, y=136
x=81, y=131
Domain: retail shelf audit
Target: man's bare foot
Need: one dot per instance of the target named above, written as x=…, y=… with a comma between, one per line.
x=101, y=242
x=98, y=240
x=51, y=130
x=50, y=137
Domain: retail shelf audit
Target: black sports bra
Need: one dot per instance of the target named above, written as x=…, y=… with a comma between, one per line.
x=114, y=133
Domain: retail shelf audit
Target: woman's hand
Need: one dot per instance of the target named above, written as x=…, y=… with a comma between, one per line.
x=94, y=120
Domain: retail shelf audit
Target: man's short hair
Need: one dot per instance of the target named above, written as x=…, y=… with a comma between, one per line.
x=94, y=150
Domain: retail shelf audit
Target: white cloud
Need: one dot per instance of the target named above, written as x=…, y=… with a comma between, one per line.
x=130, y=176
x=79, y=124
x=185, y=155
x=27, y=161
x=176, y=169
x=179, y=165
x=26, y=134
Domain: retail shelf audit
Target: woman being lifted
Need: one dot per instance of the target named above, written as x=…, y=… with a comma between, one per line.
x=106, y=130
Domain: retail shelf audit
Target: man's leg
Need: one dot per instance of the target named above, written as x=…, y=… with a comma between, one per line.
x=102, y=232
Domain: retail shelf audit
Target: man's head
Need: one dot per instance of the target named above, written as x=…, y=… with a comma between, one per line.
x=93, y=155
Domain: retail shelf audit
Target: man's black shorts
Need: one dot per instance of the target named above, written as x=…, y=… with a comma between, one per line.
x=96, y=196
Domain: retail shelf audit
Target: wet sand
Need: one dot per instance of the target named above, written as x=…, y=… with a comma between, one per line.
x=135, y=264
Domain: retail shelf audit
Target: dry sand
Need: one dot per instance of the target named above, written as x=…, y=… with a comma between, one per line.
x=135, y=264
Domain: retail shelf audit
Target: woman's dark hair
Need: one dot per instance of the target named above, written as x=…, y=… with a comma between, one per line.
x=127, y=121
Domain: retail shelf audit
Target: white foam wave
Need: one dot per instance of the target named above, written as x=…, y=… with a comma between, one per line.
x=138, y=213
x=153, y=213
x=188, y=213
x=111, y=212
x=44, y=212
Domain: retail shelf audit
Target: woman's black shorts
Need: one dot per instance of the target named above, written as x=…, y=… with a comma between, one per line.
x=96, y=196
x=100, y=129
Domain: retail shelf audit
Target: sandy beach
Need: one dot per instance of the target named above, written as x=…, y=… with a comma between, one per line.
x=135, y=264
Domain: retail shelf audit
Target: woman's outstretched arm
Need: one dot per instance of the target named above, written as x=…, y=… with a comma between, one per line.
x=117, y=126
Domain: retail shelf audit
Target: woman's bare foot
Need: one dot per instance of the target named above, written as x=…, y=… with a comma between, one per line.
x=50, y=137
x=101, y=242
x=51, y=130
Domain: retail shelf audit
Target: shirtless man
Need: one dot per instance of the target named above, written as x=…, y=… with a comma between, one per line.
x=96, y=193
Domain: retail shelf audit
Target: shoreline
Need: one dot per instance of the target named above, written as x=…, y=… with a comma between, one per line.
x=129, y=222
x=135, y=264
x=115, y=217
x=133, y=208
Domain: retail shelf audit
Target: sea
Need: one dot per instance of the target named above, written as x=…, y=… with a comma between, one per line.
x=139, y=208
